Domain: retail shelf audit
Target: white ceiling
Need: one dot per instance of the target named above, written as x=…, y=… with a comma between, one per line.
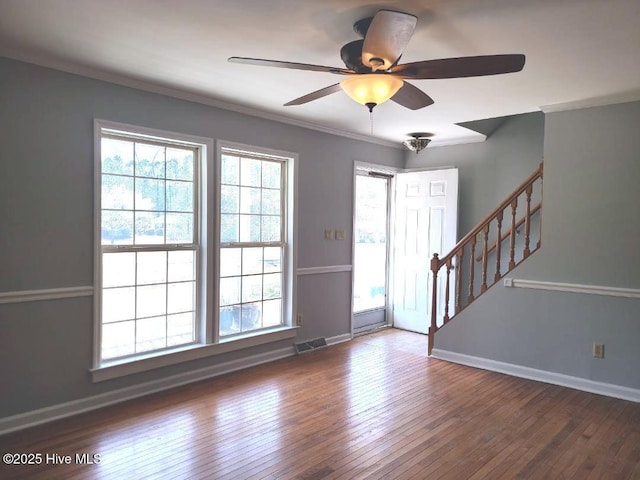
x=578, y=52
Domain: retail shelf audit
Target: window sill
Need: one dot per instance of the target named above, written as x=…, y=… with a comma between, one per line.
x=110, y=370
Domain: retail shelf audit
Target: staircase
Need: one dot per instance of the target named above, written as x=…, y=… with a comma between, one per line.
x=495, y=246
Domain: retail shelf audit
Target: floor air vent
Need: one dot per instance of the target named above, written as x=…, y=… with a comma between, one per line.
x=311, y=345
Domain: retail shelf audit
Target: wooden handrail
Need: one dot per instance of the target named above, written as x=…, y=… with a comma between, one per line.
x=479, y=234
x=481, y=224
x=506, y=235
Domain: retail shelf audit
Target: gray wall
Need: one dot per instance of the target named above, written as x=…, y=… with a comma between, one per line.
x=488, y=171
x=46, y=225
x=591, y=227
x=46, y=186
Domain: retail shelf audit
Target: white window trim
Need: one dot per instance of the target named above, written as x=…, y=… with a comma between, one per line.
x=203, y=230
x=112, y=370
x=290, y=254
x=210, y=343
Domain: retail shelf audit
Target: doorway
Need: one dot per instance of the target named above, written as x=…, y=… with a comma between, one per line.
x=400, y=221
x=426, y=222
x=371, y=250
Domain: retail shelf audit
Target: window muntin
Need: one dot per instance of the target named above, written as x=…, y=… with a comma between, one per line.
x=145, y=334
x=252, y=243
x=149, y=250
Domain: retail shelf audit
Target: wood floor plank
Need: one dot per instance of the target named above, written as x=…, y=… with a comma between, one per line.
x=376, y=407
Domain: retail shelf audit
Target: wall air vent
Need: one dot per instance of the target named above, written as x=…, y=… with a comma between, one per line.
x=310, y=345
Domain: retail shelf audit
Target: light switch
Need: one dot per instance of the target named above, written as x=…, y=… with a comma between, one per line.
x=328, y=234
x=339, y=234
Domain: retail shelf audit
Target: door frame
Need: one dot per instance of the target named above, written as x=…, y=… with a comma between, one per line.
x=391, y=207
x=391, y=172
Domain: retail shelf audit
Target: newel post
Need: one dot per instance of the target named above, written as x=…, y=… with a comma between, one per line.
x=435, y=266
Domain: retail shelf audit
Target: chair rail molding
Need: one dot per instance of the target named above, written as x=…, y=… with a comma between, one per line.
x=573, y=288
x=45, y=294
x=325, y=269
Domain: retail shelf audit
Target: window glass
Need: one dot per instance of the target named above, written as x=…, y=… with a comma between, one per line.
x=251, y=206
x=149, y=255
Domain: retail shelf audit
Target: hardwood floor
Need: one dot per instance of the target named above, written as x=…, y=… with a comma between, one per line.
x=375, y=407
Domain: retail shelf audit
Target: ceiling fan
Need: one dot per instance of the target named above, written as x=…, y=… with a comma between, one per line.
x=373, y=74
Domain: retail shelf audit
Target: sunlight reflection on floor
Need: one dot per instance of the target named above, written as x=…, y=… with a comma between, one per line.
x=394, y=339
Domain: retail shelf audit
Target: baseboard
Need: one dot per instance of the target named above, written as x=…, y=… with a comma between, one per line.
x=607, y=389
x=345, y=337
x=67, y=409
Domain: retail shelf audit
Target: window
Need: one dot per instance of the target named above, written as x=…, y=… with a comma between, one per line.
x=149, y=244
x=252, y=241
x=191, y=260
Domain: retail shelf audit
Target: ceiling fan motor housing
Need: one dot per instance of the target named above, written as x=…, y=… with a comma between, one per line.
x=351, y=55
x=362, y=26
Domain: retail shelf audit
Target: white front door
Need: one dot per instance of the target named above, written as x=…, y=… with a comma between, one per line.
x=425, y=223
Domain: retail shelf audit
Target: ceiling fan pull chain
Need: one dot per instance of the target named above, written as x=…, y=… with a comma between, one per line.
x=371, y=120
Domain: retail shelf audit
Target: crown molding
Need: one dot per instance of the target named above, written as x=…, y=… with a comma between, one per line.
x=625, y=97
x=477, y=138
x=147, y=86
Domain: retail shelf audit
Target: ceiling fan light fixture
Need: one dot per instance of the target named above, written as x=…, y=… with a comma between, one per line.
x=371, y=88
x=417, y=144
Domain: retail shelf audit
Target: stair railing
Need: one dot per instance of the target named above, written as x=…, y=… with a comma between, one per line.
x=501, y=244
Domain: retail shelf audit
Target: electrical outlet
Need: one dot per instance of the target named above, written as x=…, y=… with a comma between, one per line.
x=328, y=234
x=598, y=350
x=299, y=319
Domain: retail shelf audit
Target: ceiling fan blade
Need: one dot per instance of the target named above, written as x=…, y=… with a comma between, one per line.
x=387, y=36
x=292, y=65
x=461, y=67
x=323, y=92
x=412, y=97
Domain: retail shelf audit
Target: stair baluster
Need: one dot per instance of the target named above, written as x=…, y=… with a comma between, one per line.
x=512, y=235
x=485, y=257
x=498, y=246
x=459, y=259
x=527, y=224
x=472, y=268
x=454, y=260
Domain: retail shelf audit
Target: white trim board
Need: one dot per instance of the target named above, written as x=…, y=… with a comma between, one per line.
x=586, y=385
x=45, y=294
x=327, y=269
x=573, y=287
x=187, y=354
x=345, y=337
x=626, y=97
x=75, y=407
